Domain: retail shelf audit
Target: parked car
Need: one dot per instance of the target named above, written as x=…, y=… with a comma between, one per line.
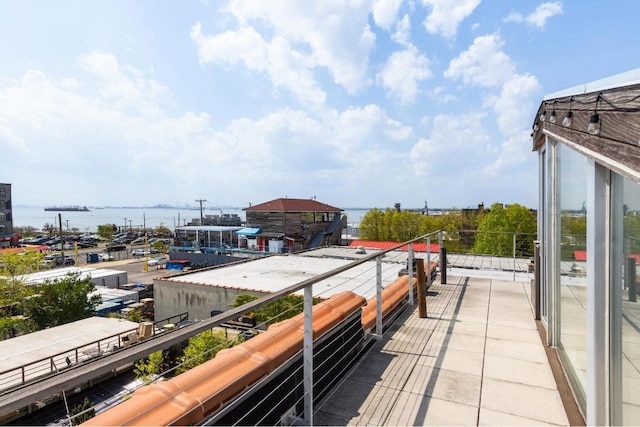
x=140, y=252
x=105, y=257
x=157, y=261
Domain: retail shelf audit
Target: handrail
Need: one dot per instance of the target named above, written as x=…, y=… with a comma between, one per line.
x=30, y=372
x=38, y=369
x=74, y=376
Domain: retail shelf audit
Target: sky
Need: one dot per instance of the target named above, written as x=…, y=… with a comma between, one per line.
x=362, y=103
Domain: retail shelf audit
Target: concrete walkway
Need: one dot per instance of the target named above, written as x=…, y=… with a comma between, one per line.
x=476, y=360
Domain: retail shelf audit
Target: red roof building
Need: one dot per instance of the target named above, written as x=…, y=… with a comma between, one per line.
x=291, y=225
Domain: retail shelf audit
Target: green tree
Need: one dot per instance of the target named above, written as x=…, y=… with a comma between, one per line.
x=82, y=412
x=13, y=291
x=372, y=225
x=282, y=309
x=495, y=231
x=50, y=228
x=61, y=301
x=632, y=232
x=107, y=230
x=160, y=246
x=14, y=264
x=145, y=369
x=203, y=347
x=162, y=230
x=25, y=231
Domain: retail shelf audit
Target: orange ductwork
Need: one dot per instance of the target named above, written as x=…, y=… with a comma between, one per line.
x=190, y=397
x=392, y=295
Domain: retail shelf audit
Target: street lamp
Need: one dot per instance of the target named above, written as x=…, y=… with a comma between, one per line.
x=125, y=225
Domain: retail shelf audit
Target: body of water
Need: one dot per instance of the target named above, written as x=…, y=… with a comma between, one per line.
x=36, y=216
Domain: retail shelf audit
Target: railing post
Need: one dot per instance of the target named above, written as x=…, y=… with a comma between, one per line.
x=379, y=296
x=514, y=256
x=23, y=375
x=428, y=266
x=442, y=258
x=308, y=355
x=422, y=291
x=631, y=279
x=410, y=273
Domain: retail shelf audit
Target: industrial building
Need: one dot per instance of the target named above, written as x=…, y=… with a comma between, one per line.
x=99, y=276
x=7, y=236
x=200, y=292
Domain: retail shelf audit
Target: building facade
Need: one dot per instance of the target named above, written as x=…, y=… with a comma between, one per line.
x=587, y=140
x=7, y=237
x=295, y=224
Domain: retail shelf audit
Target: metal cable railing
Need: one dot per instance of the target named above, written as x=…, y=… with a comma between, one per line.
x=234, y=313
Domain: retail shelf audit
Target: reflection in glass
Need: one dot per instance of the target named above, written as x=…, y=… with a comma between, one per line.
x=573, y=266
x=630, y=306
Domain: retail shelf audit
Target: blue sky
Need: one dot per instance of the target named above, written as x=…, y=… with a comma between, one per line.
x=358, y=103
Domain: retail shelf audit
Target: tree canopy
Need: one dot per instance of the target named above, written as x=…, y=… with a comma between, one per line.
x=496, y=231
x=61, y=301
x=107, y=230
x=203, y=347
x=282, y=309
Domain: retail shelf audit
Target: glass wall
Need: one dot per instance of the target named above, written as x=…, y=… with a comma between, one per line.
x=626, y=290
x=572, y=295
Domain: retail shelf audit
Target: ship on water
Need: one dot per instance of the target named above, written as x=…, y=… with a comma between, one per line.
x=74, y=208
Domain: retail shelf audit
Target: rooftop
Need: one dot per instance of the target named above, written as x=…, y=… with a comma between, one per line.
x=274, y=273
x=293, y=205
x=477, y=359
x=60, y=273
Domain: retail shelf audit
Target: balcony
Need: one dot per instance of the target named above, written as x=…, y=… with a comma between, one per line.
x=477, y=358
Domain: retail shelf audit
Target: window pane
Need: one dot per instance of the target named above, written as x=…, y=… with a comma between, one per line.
x=573, y=266
x=630, y=306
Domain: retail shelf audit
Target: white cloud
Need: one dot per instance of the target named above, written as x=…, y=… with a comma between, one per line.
x=538, y=17
x=483, y=64
x=291, y=150
x=402, y=34
x=446, y=15
x=245, y=45
x=135, y=90
x=8, y=138
x=515, y=102
x=385, y=12
x=286, y=67
x=402, y=72
x=332, y=34
x=514, y=153
x=454, y=139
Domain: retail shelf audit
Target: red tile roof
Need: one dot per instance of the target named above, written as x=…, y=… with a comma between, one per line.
x=418, y=247
x=293, y=205
x=27, y=248
x=582, y=256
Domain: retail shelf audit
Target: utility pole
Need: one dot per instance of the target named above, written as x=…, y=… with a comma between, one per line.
x=201, y=201
x=61, y=239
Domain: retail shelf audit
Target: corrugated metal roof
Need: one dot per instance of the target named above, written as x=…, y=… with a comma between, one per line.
x=293, y=205
x=209, y=228
x=418, y=247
